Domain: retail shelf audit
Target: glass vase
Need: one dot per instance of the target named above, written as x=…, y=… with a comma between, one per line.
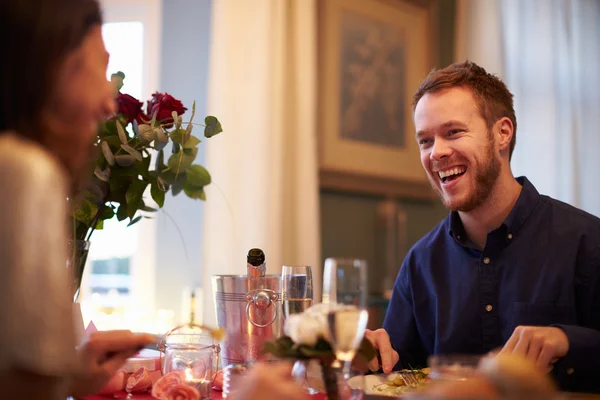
x=78, y=254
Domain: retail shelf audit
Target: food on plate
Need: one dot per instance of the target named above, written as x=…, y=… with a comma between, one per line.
x=395, y=385
x=139, y=382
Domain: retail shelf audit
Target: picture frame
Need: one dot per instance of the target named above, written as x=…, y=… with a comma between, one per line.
x=372, y=55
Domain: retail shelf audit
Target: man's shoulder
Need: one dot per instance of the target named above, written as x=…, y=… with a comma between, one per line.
x=570, y=216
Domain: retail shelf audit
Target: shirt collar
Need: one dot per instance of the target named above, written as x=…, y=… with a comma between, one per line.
x=528, y=198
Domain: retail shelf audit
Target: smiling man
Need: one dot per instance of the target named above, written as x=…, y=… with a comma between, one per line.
x=508, y=268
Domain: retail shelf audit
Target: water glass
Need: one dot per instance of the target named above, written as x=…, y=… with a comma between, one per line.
x=296, y=289
x=345, y=289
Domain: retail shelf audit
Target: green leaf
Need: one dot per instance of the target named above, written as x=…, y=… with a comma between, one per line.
x=122, y=212
x=181, y=161
x=194, y=193
x=178, y=185
x=146, y=133
x=121, y=132
x=213, y=126
x=160, y=139
x=133, y=152
x=198, y=176
x=167, y=176
x=133, y=221
x=157, y=195
x=86, y=211
x=177, y=135
x=191, y=142
x=110, y=158
x=143, y=168
x=113, y=141
x=134, y=196
x=125, y=160
x=188, y=133
x=103, y=175
x=193, y=111
x=106, y=213
x=144, y=207
x=136, y=128
x=99, y=225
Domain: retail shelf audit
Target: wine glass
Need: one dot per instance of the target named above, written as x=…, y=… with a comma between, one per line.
x=345, y=289
x=296, y=289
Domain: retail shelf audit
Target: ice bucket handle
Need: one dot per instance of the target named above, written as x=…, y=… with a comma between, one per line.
x=261, y=299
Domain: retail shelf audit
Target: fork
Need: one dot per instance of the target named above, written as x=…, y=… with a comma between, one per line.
x=409, y=378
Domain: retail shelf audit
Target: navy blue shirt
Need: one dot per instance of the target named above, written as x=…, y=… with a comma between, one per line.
x=541, y=267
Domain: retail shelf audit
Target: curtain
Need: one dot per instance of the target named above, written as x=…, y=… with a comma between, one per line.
x=549, y=56
x=264, y=191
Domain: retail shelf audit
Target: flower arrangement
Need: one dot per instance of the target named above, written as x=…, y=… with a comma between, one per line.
x=131, y=158
x=307, y=338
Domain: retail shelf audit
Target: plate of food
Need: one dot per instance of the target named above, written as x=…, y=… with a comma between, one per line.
x=392, y=384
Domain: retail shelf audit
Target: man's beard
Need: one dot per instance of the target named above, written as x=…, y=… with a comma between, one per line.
x=485, y=178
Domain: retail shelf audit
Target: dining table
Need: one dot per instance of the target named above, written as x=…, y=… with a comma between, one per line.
x=217, y=395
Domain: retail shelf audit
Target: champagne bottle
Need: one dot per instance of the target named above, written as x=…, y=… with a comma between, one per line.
x=256, y=264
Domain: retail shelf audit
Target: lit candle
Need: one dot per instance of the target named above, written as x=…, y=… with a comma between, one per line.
x=203, y=386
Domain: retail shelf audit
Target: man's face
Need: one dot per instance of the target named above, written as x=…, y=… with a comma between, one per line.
x=458, y=151
x=82, y=97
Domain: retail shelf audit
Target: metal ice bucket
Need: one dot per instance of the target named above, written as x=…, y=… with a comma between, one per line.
x=249, y=309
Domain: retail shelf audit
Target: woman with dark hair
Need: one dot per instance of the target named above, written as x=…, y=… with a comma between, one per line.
x=53, y=94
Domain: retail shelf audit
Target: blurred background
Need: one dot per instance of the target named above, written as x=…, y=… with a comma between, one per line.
x=318, y=158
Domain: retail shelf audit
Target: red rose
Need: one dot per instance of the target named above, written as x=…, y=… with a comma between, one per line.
x=163, y=104
x=131, y=108
x=181, y=391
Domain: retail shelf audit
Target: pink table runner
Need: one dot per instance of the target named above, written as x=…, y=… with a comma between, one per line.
x=216, y=395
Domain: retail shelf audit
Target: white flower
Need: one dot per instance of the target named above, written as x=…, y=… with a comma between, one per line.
x=307, y=327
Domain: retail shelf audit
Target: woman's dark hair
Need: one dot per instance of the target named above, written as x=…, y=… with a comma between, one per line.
x=36, y=36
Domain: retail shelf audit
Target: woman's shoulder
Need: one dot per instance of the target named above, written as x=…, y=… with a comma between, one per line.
x=23, y=160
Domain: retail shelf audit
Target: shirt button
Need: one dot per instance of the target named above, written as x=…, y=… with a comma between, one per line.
x=486, y=260
x=510, y=236
x=570, y=371
x=488, y=308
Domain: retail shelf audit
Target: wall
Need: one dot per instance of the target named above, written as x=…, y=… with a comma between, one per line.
x=348, y=221
x=184, y=74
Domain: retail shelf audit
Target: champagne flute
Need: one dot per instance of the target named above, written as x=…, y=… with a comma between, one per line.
x=345, y=289
x=296, y=289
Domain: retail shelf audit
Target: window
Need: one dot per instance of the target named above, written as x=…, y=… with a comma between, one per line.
x=119, y=281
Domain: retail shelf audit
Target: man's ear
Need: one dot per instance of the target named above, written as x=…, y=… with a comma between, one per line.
x=504, y=131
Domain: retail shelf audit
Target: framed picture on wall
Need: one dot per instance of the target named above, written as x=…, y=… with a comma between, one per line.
x=372, y=56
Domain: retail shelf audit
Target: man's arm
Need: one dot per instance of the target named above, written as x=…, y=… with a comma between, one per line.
x=572, y=352
x=400, y=322
x=578, y=370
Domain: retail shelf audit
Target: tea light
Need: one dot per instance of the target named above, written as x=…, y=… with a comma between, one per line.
x=204, y=386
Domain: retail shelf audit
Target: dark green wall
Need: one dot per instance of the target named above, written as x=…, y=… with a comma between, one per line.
x=349, y=221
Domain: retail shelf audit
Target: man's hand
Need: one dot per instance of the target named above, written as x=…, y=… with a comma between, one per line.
x=101, y=355
x=543, y=346
x=381, y=341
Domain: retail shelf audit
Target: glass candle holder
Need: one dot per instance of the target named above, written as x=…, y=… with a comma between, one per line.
x=192, y=352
